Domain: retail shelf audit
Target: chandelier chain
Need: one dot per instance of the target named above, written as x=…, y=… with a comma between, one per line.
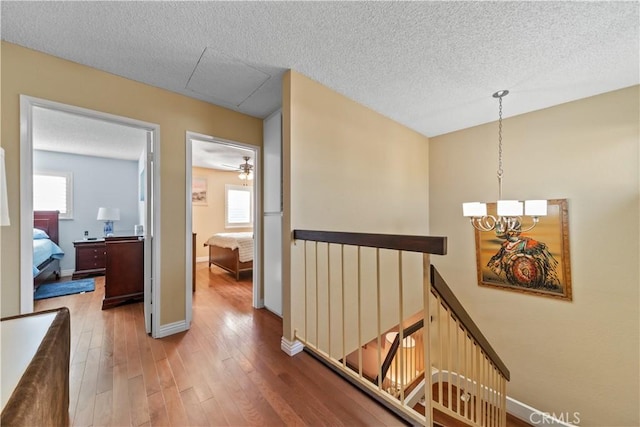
x=500, y=170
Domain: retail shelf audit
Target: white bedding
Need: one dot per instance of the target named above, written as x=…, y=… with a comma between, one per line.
x=242, y=241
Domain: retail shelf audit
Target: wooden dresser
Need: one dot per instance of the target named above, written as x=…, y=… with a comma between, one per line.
x=90, y=258
x=124, y=281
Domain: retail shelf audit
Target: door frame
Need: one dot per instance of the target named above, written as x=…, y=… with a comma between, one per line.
x=257, y=299
x=27, y=103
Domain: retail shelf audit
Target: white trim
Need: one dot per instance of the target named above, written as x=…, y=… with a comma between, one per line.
x=27, y=103
x=172, y=328
x=516, y=408
x=188, y=223
x=66, y=273
x=202, y=259
x=531, y=415
x=26, y=203
x=291, y=347
x=258, y=301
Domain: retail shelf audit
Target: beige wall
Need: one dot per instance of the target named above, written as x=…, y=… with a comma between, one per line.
x=580, y=356
x=35, y=74
x=346, y=168
x=210, y=219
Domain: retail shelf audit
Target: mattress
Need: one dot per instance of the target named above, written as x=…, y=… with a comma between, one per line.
x=43, y=249
x=241, y=241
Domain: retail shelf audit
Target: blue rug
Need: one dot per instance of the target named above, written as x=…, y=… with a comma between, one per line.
x=51, y=290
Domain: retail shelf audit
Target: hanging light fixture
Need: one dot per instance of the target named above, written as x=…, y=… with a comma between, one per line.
x=246, y=170
x=509, y=212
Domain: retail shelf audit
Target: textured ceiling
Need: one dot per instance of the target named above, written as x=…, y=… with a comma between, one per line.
x=71, y=133
x=429, y=65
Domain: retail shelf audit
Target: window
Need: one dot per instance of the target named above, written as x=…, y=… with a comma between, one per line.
x=53, y=191
x=238, y=206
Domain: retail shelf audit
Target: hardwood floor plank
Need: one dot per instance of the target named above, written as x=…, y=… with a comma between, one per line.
x=157, y=410
x=194, y=411
x=214, y=413
x=86, y=397
x=138, y=401
x=121, y=408
x=103, y=409
x=134, y=365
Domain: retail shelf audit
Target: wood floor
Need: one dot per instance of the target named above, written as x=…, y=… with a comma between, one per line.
x=227, y=370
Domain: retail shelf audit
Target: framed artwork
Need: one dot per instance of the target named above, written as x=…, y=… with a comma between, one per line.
x=534, y=262
x=199, y=190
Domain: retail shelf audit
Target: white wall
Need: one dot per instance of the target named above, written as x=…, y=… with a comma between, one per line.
x=579, y=356
x=96, y=182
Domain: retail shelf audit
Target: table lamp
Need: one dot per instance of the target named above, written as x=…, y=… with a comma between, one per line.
x=108, y=215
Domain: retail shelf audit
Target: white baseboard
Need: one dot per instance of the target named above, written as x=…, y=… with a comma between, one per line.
x=172, y=328
x=536, y=417
x=66, y=273
x=202, y=259
x=291, y=347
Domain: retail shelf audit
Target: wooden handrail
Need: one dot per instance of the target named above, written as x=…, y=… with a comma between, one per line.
x=409, y=330
x=458, y=310
x=423, y=244
x=399, y=242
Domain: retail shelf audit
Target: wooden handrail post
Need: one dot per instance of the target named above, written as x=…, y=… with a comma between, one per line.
x=426, y=286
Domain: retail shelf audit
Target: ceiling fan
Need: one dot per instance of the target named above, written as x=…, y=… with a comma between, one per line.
x=245, y=169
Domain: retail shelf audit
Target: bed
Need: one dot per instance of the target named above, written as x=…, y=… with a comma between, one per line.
x=232, y=252
x=46, y=252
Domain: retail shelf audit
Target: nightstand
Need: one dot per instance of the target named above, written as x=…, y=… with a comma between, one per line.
x=91, y=258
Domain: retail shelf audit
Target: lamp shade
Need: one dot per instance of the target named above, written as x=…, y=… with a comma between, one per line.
x=4, y=206
x=108, y=214
x=510, y=208
x=474, y=209
x=535, y=207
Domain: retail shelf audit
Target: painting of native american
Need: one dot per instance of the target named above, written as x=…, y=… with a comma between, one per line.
x=535, y=262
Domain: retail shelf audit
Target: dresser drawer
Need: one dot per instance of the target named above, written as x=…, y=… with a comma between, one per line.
x=90, y=258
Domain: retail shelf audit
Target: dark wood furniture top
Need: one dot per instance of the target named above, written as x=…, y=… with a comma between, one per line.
x=124, y=279
x=90, y=258
x=41, y=395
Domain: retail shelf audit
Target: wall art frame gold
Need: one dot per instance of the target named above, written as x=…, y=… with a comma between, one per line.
x=536, y=262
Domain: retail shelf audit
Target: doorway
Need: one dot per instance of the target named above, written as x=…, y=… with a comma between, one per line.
x=217, y=184
x=146, y=185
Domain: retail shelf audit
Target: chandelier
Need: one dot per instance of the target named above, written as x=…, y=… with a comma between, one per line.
x=509, y=219
x=246, y=170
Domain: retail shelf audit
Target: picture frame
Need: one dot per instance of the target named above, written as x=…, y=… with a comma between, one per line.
x=199, y=190
x=535, y=262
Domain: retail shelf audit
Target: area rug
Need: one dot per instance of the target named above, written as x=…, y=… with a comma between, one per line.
x=51, y=290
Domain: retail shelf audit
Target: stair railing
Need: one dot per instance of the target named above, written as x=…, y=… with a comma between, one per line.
x=357, y=289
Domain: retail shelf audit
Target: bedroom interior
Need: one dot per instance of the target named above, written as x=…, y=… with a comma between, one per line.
x=223, y=208
x=95, y=188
